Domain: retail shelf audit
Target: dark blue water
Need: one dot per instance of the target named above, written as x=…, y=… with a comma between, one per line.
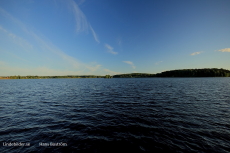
x=116, y=115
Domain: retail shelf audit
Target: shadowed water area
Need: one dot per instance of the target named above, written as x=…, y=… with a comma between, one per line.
x=114, y=115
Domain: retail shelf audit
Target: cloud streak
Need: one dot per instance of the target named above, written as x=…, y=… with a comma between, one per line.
x=110, y=72
x=157, y=63
x=46, y=46
x=93, y=68
x=195, y=53
x=130, y=63
x=224, y=50
x=110, y=49
x=17, y=40
x=94, y=35
x=82, y=25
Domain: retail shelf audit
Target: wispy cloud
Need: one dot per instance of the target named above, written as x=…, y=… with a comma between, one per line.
x=81, y=22
x=157, y=63
x=94, y=34
x=80, y=19
x=110, y=49
x=16, y=21
x=111, y=72
x=79, y=2
x=130, y=63
x=195, y=53
x=119, y=41
x=94, y=67
x=17, y=40
x=46, y=46
x=2, y=29
x=224, y=50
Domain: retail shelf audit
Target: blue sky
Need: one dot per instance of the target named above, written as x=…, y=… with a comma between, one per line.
x=98, y=37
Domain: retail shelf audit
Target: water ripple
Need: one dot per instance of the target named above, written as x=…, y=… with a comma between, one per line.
x=114, y=115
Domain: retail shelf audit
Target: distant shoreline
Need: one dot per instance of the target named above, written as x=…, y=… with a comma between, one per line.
x=3, y=78
x=206, y=72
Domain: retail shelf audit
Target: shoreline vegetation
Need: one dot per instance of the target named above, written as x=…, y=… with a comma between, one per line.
x=206, y=72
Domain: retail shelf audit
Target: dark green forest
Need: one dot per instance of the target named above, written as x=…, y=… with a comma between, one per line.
x=206, y=72
x=214, y=72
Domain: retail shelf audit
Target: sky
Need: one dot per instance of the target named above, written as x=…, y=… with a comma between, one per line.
x=100, y=37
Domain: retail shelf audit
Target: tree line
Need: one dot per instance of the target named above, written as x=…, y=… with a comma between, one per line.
x=213, y=72
x=134, y=75
x=52, y=77
x=206, y=72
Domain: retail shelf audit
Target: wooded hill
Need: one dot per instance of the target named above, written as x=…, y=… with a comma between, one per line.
x=214, y=72
x=207, y=72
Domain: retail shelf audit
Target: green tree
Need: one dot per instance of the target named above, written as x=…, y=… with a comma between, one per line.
x=108, y=76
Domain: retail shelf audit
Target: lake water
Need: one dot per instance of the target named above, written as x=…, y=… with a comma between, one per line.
x=115, y=115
